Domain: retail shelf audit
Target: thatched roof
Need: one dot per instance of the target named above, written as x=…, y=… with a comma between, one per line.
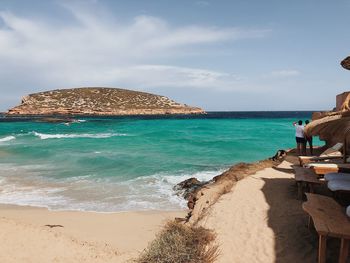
x=332, y=125
x=346, y=63
x=335, y=126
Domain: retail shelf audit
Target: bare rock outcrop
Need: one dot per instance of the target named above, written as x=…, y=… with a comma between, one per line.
x=99, y=101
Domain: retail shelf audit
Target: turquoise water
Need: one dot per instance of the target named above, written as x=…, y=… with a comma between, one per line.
x=127, y=163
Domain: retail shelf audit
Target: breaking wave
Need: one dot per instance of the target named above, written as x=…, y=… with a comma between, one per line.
x=7, y=138
x=45, y=136
x=86, y=193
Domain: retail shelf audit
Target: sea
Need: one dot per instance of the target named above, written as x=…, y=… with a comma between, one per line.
x=115, y=164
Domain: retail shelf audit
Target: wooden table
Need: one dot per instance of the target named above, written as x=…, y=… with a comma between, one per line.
x=329, y=220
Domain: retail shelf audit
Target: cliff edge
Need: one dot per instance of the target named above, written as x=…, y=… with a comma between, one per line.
x=99, y=101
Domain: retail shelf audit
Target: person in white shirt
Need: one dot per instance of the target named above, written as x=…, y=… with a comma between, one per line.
x=300, y=137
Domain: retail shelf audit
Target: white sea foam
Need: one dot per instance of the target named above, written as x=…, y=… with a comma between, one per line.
x=33, y=196
x=45, y=136
x=7, y=138
x=156, y=192
x=201, y=176
x=28, y=186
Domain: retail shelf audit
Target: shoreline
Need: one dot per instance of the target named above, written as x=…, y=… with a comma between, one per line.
x=224, y=206
x=28, y=207
x=93, y=236
x=111, y=236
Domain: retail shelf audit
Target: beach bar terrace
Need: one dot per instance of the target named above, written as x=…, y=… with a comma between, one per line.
x=329, y=210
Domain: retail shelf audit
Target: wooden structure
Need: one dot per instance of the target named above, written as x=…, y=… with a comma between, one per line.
x=330, y=220
x=333, y=127
x=324, y=168
x=311, y=159
x=305, y=179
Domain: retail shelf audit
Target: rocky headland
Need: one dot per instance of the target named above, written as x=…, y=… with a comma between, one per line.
x=99, y=101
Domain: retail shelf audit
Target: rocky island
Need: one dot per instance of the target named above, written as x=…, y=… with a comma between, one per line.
x=99, y=101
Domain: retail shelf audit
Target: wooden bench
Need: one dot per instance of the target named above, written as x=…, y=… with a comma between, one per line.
x=330, y=220
x=331, y=168
x=305, y=177
x=311, y=159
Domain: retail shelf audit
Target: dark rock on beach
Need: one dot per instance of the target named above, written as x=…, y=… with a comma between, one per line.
x=187, y=187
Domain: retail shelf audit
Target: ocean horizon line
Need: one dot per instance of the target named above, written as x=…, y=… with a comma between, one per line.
x=208, y=115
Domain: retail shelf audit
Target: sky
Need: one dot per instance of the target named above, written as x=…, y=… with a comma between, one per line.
x=234, y=55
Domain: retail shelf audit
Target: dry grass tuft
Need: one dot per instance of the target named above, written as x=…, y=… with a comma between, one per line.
x=179, y=243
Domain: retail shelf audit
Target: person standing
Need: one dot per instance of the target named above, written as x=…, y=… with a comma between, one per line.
x=299, y=136
x=308, y=140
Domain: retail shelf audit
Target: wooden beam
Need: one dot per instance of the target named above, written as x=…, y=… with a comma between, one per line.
x=344, y=248
x=322, y=246
x=344, y=150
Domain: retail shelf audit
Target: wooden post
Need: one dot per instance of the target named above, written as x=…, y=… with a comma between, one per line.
x=300, y=190
x=322, y=246
x=344, y=150
x=309, y=223
x=344, y=248
x=311, y=188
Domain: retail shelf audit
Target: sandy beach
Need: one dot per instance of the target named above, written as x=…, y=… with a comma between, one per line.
x=76, y=236
x=261, y=220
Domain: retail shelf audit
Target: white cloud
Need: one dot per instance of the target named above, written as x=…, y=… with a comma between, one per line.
x=135, y=40
x=282, y=73
x=91, y=50
x=160, y=76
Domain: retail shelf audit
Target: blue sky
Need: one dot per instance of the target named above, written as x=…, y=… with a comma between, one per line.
x=219, y=55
